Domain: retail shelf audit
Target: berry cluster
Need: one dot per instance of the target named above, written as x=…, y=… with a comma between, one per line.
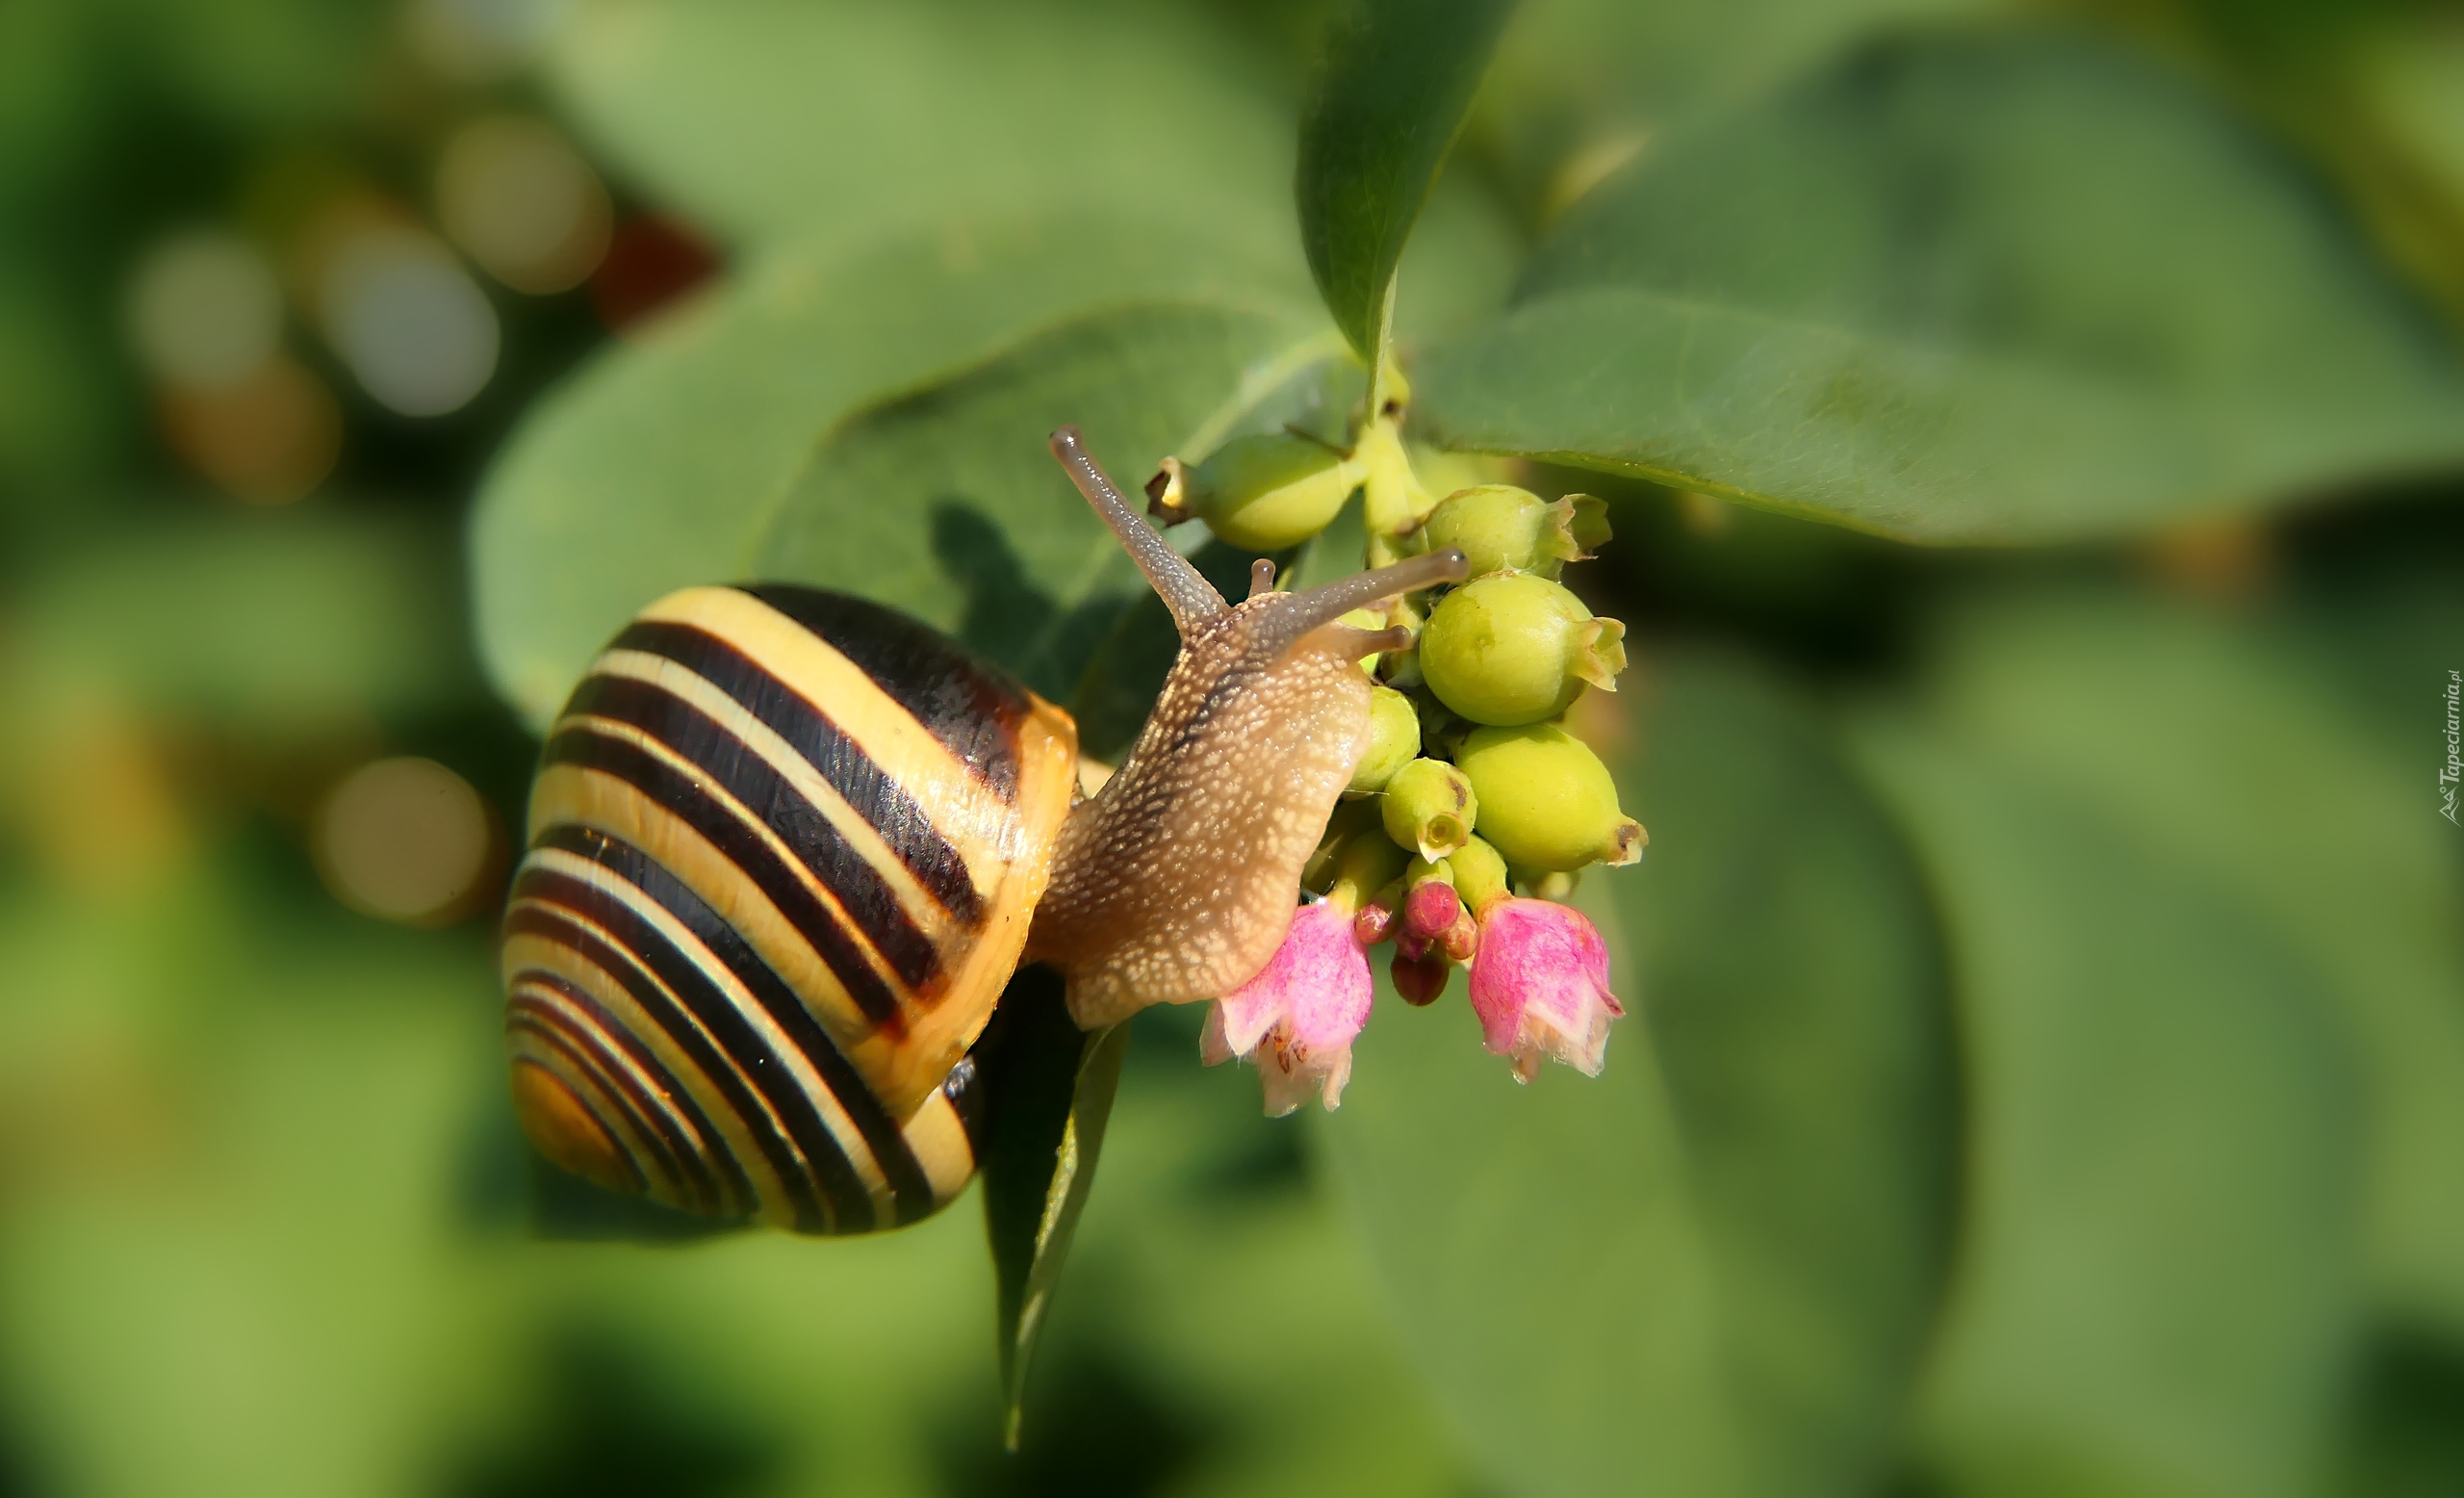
x=1469, y=789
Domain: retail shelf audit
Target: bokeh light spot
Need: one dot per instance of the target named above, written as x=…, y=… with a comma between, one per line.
x=204, y=310
x=268, y=439
x=406, y=839
x=476, y=41
x=415, y=330
x=523, y=203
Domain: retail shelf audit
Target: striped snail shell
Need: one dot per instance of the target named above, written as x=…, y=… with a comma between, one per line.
x=785, y=848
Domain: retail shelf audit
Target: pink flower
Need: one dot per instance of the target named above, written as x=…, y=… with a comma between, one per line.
x=1297, y=1017
x=1540, y=986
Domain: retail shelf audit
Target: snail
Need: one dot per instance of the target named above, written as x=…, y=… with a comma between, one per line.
x=785, y=848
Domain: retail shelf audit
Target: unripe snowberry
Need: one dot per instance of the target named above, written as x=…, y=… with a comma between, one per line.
x=1479, y=874
x=1394, y=742
x=1501, y=528
x=1430, y=807
x=1545, y=801
x=1350, y=819
x=1264, y=492
x=1367, y=865
x=1511, y=647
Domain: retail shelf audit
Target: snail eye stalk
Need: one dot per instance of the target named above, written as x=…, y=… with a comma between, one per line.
x=1192, y=600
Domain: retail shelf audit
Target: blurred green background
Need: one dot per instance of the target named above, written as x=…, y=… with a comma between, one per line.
x=2047, y=1070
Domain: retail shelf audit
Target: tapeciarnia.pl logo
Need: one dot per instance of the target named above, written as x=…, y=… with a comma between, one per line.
x=2448, y=773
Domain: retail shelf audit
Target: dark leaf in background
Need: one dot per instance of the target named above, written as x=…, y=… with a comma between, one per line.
x=2218, y=743
x=1711, y=1269
x=2014, y=287
x=1383, y=110
x=1047, y=1097
x=2157, y=1284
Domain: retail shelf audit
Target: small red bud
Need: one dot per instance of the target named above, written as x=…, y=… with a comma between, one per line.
x=1461, y=940
x=1431, y=909
x=1374, y=924
x=1421, y=979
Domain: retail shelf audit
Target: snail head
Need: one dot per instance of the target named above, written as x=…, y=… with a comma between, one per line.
x=1177, y=880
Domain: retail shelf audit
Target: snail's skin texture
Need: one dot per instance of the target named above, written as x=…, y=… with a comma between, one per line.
x=1177, y=881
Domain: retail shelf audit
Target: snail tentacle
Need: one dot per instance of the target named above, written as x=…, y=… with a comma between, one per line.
x=1294, y=615
x=1192, y=600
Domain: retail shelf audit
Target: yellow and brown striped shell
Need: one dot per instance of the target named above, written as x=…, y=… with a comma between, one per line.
x=784, y=848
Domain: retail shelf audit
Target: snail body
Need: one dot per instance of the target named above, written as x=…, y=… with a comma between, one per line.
x=786, y=848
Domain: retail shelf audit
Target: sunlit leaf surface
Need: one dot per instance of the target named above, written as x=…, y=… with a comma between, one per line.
x=947, y=503
x=661, y=466
x=1994, y=289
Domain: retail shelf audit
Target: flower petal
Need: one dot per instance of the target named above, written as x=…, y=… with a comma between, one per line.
x=1540, y=986
x=1297, y=1017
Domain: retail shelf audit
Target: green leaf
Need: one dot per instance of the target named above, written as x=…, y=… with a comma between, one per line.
x=661, y=464
x=1991, y=287
x=2155, y=1295
x=1048, y=1095
x=765, y=118
x=1383, y=110
x=2215, y=746
x=947, y=504
x=1711, y=1269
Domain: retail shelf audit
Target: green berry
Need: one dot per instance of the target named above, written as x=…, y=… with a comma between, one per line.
x=1501, y=528
x=1351, y=818
x=1546, y=802
x=1511, y=647
x=1428, y=808
x=1394, y=742
x=1479, y=874
x=1367, y=864
x=1265, y=492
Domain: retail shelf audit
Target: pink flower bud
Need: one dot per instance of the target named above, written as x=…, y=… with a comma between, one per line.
x=1461, y=940
x=1374, y=924
x=1297, y=1017
x=1540, y=986
x=1430, y=908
